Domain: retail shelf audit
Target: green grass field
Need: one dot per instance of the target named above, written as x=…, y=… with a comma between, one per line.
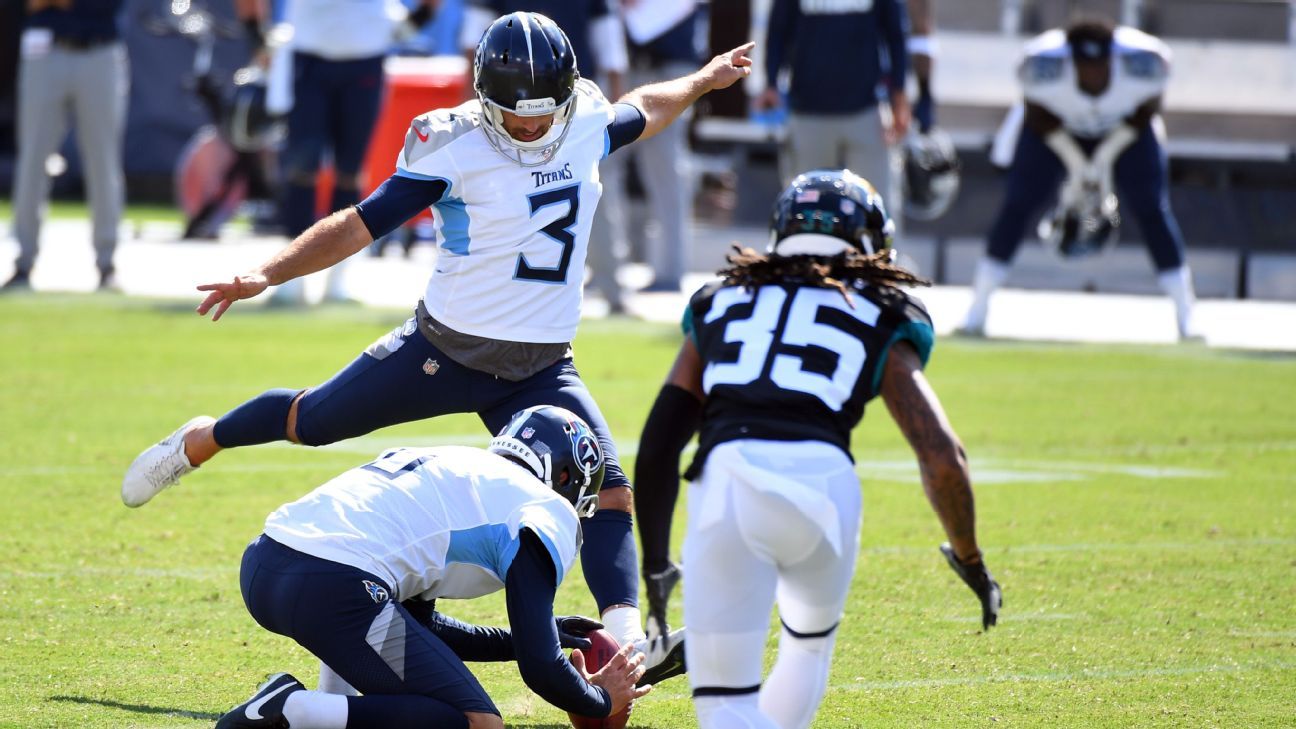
x=1138, y=504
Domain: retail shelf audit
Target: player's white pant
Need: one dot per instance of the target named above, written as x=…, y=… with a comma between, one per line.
x=767, y=520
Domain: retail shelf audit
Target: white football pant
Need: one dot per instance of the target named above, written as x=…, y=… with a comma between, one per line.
x=767, y=520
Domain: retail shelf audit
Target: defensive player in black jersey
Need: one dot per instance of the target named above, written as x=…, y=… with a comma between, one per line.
x=780, y=358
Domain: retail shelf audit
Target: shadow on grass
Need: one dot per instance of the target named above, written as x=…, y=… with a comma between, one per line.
x=139, y=708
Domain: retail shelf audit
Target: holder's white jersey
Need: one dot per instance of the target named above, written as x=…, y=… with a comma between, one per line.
x=1140, y=69
x=431, y=522
x=512, y=239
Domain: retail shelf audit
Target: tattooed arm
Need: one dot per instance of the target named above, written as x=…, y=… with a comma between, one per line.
x=918, y=412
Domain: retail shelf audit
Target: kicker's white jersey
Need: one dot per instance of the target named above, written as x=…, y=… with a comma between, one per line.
x=431, y=522
x=512, y=239
x=1140, y=69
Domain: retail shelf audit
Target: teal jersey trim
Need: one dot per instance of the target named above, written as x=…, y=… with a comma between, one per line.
x=550, y=546
x=489, y=546
x=920, y=334
x=686, y=324
x=454, y=224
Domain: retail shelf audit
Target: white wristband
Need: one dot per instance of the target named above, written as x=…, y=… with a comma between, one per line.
x=922, y=45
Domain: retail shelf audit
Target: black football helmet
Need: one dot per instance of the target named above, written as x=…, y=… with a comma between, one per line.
x=1087, y=228
x=931, y=174
x=826, y=212
x=561, y=450
x=248, y=125
x=525, y=65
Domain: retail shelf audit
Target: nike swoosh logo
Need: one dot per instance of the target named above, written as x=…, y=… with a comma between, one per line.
x=423, y=136
x=253, y=710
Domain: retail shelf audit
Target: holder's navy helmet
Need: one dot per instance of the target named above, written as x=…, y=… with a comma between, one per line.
x=525, y=65
x=826, y=212
x=561, y=450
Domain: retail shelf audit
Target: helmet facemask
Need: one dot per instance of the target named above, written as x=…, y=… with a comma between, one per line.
x=525, y=66
x=528, y=154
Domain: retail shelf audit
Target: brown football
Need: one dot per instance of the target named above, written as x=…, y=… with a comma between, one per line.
x=603, y=648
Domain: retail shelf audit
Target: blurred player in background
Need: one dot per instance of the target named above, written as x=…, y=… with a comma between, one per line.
x=931, y=165
x=834, y=54
x=1092, y=101
x=662, y=164
x=337, y=53
x=779, y=359
x=72, y=61
x=922, y=52
x=352, y=569
x=512, y=178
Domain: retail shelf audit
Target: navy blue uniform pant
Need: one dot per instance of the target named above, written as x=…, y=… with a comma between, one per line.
x=391, y=383
x=1141, y=174
x=335, y=108
x=347, y=618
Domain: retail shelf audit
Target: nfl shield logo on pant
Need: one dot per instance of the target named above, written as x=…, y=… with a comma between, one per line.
x=430, y=367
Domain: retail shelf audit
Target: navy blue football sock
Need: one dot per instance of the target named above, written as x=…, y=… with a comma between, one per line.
x=298, y=211
x=609, y=559
x=343, y=198
x=399, y=712
x=263, y=419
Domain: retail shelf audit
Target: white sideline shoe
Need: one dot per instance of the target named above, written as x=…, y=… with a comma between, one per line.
x=158, y=466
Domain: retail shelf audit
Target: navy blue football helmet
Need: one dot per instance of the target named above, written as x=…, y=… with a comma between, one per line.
x=826, y=212
x=931, y=174
x=561, y=450
x=525, y=66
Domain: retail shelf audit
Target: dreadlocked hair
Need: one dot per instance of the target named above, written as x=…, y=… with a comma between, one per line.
x=750, y=269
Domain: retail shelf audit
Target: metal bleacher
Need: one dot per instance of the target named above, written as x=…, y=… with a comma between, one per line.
x=1230, y=112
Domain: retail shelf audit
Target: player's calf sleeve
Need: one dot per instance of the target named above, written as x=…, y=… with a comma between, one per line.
x=671, y=422
x=411, y=711
x=263, y=419
x=331, y=683
x=316, y=709
x=609, y=559
x=730, y=712
x=793, y=690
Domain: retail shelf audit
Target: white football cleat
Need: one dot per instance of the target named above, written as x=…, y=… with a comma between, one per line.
x=159, y=466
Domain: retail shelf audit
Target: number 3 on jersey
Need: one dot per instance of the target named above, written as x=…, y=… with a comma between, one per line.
x=759, y=336
x=559, y=230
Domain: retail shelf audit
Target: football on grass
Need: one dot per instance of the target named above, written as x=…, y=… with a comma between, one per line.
x=596, y=656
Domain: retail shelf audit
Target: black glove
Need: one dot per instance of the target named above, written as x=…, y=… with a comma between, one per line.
x=982, y=583
x=572, y=630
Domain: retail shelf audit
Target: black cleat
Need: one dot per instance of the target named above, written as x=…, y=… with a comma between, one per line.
x=20, y=281
x=659, y=588
x=265, y=709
